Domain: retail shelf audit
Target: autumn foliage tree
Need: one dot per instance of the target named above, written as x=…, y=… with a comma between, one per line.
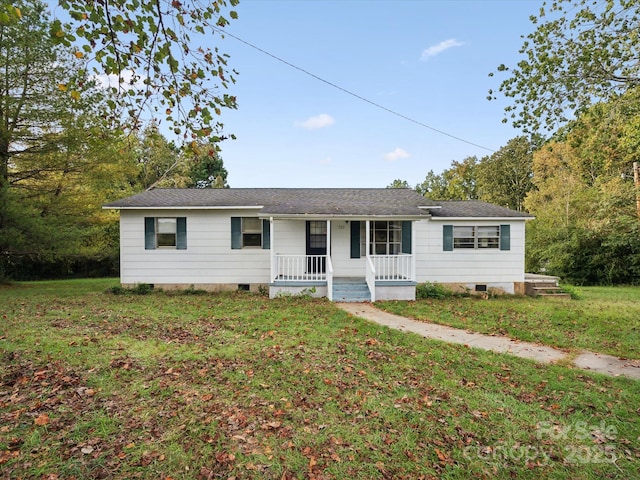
x=59, y=156
x=587, y=228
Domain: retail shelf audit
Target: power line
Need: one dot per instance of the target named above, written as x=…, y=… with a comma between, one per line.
x=359, y=97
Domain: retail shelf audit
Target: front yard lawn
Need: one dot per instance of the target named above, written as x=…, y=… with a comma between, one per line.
x=96, y=385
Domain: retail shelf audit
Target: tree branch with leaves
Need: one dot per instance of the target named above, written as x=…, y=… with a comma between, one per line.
x=160, y=55
x=581, y=52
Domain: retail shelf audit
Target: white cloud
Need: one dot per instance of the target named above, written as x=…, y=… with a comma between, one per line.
x=319, y=121
x=111, y=81
x=434, y=50
x=397, y=154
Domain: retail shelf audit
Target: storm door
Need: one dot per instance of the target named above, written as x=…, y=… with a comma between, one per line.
x=316, y=245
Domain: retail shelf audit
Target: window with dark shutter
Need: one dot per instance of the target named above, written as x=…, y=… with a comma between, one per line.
x=165, y=233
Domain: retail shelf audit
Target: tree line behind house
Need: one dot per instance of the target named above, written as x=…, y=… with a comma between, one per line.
x=580, y=186
x=68, y=143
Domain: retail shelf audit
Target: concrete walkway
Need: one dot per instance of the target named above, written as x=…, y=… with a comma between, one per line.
x=595, y=362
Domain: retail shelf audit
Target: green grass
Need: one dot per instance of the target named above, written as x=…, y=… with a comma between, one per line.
x=97, y=385
x=603, y=320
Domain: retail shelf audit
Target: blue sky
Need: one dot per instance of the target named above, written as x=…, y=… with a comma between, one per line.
x=427, y=60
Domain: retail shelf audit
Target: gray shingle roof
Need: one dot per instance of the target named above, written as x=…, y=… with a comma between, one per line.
x=474, y=209
x=315, y=201
x=288, y=201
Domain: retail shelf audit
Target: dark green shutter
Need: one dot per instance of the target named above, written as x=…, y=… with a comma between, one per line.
x=406, y=237
x=266, y=235
x=181, y=231
x=505, y=237
x=149, y=233
x=355, y=239
x=236, y=232
x=447, y=238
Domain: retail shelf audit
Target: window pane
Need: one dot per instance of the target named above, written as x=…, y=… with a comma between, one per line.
x=166, y=239
x=251, y=240
x=394, y=249
x=488, y=243
x=488, y=232
x=318, y=228
x=167, y=225
x=381, y=249
x=251, y=224
x=317, y=241
x=463, y=232
x=463, y=242
x=380, y=236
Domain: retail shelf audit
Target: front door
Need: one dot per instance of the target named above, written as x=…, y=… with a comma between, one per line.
x=316, y=245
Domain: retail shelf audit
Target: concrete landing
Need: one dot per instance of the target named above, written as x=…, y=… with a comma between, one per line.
x=595, y=362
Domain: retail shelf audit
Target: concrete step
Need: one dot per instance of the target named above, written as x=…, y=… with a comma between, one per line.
x=350, y=290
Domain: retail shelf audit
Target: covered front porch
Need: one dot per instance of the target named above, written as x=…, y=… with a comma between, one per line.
x=342, y=259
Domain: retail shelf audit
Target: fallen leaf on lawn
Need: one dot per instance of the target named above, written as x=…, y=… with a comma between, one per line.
x=440, y=455
x=42, y=420
x=87, y=450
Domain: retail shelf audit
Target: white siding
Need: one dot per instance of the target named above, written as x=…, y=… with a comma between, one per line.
x=343, y=264
x=289, y=237
x=471, y=266
x=208, y=258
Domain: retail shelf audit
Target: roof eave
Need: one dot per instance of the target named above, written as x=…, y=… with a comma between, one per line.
x=324, y=216
x=505, y=219
x=186, y=207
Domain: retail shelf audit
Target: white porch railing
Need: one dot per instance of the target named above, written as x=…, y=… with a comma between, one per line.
x=300, y=268
x=370, y=276
x=392, y=267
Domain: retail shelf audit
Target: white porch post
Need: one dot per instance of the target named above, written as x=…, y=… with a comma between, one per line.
x=272, y=253
x=367, y=239
x=328, y=238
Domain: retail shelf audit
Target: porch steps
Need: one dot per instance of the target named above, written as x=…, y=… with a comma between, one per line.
x=544, y=286
x=546, y=290
x=350, y=290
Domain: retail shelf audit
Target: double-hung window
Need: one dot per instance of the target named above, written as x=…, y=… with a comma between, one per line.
x=250, y=232
x=165, y=232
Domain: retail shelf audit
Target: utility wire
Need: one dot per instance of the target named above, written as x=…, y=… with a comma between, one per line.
x=359, y=97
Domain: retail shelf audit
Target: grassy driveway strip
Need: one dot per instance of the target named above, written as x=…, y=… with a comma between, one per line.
x=94, y=385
